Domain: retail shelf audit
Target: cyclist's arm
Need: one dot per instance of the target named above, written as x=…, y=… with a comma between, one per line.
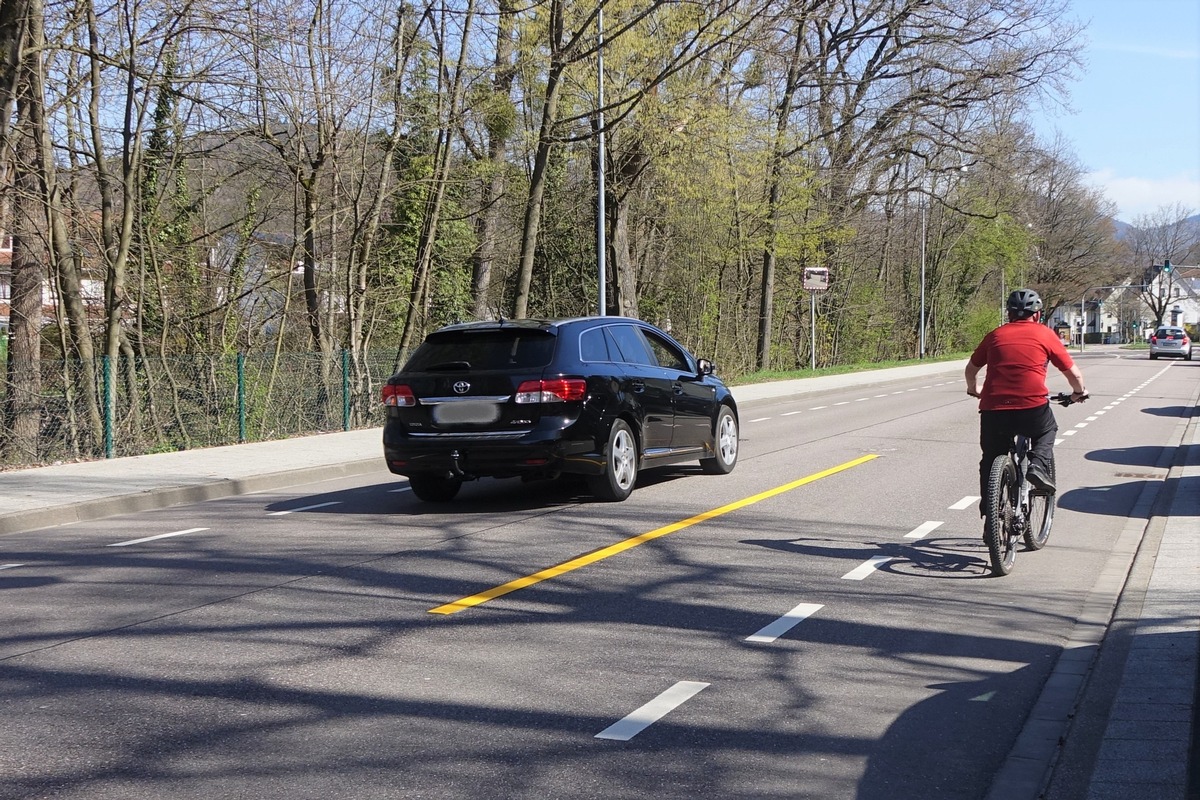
x=974, y=387
x=1075, y=378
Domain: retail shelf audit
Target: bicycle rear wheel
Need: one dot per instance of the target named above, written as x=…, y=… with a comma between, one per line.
x=1041, y=516
x=999, y=515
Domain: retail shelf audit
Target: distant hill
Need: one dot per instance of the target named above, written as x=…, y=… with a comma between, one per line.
x=1124, y=228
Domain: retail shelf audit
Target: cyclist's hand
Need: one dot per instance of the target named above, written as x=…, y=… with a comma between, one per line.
x=1079, y=397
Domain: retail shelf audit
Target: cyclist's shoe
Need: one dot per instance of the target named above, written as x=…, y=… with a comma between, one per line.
x=1039, y=479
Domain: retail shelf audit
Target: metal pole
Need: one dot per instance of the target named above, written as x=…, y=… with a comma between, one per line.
x=812, y=318
x=1082, y=320
x=600, y=243
x=241, y=395
x=109, y=402
x=921, y=353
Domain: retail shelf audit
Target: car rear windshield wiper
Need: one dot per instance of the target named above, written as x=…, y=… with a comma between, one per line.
x=448, y=366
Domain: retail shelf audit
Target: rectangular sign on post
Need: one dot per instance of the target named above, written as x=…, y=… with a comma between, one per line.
x=816, y=279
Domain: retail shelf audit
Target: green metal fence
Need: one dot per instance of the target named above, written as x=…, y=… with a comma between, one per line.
x=133, y=406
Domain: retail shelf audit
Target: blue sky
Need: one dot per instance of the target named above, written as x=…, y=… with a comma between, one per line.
x=1135, y=124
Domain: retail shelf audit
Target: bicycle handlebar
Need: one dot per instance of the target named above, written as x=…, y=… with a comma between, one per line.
x=1065, y=398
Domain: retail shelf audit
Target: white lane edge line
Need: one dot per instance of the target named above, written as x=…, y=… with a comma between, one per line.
x=785, y=623
x=159, y=536
x=922, y=530
x=631, y=725
x=304, y=508
x=866, y=568
x=965, y=503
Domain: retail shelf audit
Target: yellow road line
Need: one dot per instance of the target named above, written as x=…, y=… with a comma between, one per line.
x=622, y=546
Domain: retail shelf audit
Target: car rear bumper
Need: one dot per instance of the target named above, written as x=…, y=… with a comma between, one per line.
x=533, y=454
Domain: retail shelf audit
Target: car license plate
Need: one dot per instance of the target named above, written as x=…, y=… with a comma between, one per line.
x=466, y=412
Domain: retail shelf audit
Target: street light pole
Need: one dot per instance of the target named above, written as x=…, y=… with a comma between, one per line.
x=600, y=239
x=921, y=353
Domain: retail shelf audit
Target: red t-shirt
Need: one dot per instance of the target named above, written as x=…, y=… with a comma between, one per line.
x=1015, y=355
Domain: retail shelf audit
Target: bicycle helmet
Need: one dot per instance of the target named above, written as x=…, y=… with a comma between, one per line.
x=1023, y=303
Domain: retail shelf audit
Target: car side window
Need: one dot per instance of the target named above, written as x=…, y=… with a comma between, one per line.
x=668, y=355
x=593, y=346
x=626, y=341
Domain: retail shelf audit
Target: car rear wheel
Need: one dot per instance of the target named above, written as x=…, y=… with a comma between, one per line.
x=433, y=487
x=620, y=465
x=725, y=444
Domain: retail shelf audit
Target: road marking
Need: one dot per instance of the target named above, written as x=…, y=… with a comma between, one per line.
x=785, y=623
x=859, y=400
x=1070, y=433
x=159, y=536
x=866, y=568
x=760, y=419
x=401, y=489
x=843, y=403
x=1099, y=414
x=625, y=729
x=1081, y=425
x=983, y=698
x=897, y=392
x=304, y=508
x=921, y=530
x=965, y=503
x=1059, y=441
x=627, y=544
x=791, y=413
x=879, y=396
x=10, y=566
x=1093, y=417
x=817, y=408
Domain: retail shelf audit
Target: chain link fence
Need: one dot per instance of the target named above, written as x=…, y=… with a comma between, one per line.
x=128, y=406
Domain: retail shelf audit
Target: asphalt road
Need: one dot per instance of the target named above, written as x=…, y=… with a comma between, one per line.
x=818, y=624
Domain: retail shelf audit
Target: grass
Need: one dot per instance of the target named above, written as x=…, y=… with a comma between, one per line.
x=766, y=376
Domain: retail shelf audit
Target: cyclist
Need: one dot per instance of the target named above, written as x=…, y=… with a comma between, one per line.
x=1013, y=396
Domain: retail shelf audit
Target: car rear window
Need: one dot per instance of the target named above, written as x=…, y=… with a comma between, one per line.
x=499, y=349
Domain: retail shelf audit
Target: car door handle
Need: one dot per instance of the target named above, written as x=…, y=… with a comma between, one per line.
x=637, y=386
x=677, y=388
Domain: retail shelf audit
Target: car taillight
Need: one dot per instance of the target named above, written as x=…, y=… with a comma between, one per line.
x=555, y=390
x=1153, y=340
x=400, y=395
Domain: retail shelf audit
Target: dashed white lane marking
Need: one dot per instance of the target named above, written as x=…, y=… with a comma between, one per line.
x=983, y=698
x=817, y=408
x=1070, y=433
x=401, y=489
x=879, y=396
x=1081, y=425
x=760, y=419
x=859, y=400
x=921, y=530
x=900, y=392
x=843, y=403
x=159, y=536
x=792, y=413
x=866, y=568
x=965, y=503
x=785, y=623
x=1058, y=441
x=1092, y=418
x=304, y=508
x=10, y=566
x=625, y=729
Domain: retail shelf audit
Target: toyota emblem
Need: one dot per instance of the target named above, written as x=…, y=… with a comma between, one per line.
x=461, y=387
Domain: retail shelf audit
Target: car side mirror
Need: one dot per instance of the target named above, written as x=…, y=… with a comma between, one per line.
x=706, y=367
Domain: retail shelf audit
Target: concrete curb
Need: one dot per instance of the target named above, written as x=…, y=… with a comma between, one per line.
x=164, y=496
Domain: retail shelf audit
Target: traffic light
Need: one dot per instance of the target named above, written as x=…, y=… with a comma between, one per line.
x=1167, y=265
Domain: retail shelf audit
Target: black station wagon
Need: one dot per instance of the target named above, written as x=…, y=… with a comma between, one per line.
x=603, y=397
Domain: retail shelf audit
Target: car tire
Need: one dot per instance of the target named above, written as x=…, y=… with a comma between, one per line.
x=620, y=465
x=1188, y=355
x=1153, y=356
x=725, y=444
x=434, y=487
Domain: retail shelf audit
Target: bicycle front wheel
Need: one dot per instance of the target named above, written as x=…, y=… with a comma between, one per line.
x=1041, y=516
x=999, y=515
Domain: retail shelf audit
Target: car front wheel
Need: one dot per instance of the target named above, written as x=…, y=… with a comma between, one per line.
x=620, y=465
x=725, y=443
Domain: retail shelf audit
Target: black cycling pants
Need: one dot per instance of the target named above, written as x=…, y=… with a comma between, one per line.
x=996, y=432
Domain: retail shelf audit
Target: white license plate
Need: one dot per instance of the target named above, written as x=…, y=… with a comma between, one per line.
x=466, y=411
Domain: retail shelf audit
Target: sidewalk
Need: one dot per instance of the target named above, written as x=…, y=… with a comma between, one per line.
x=1147, y=713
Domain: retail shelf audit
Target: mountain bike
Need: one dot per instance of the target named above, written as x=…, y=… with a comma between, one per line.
x=1013, y=510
